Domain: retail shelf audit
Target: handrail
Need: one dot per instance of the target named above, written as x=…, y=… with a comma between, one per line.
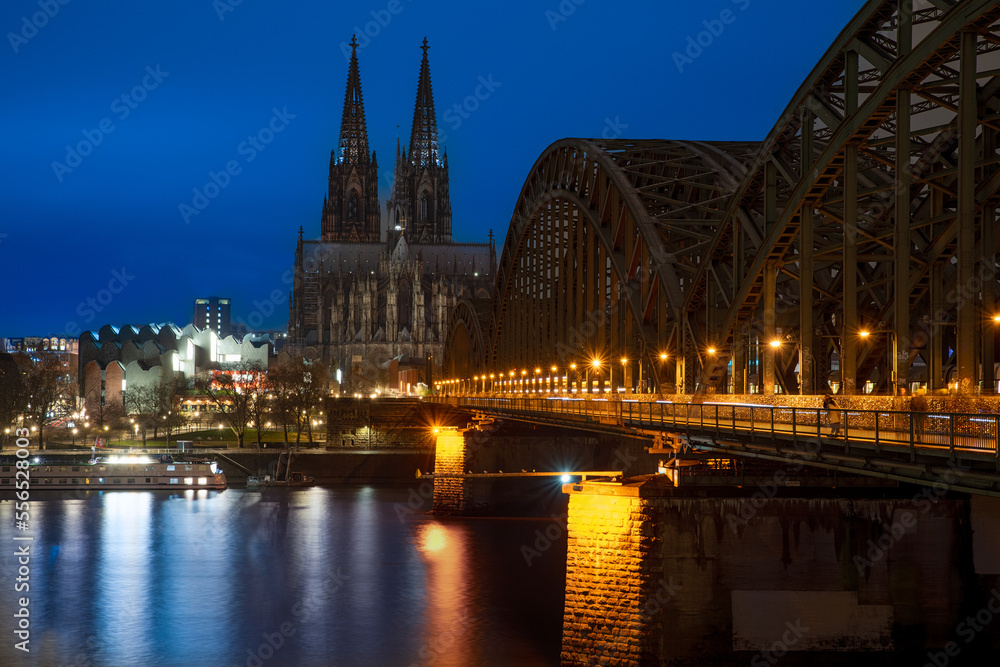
x=936, y=433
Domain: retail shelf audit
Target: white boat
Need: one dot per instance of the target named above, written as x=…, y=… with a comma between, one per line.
x=119, y=473
x=256, y=481
x=294, y=479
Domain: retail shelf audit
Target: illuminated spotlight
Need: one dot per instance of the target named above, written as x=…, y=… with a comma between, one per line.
x=565, y=478
x=775, y=343
x=996, y=318
x=863, y=333
x=437, y=430
x=663, y=356
x=711, y=350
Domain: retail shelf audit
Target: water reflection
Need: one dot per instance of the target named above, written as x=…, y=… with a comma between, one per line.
x=449, y=632
x=300, y=577
x=123, y=598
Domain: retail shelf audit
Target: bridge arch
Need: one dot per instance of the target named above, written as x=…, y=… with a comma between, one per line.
x=864, y=235
x=603, y=237
x=465, y=348
x=775, y=266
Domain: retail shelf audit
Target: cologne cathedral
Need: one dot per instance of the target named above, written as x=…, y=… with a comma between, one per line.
x=368, y=292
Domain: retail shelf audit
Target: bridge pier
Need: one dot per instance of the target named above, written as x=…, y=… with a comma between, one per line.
x=510, y=455
x=451, y=457
x=656, y=578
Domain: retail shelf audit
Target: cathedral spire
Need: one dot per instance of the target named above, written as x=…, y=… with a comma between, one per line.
x=423, y=135
x=353, y=132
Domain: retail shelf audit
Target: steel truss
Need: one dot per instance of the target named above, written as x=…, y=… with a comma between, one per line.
x=881, y=178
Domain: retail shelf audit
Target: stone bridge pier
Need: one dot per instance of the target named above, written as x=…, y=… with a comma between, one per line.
x=507, y=452
x=657, y=577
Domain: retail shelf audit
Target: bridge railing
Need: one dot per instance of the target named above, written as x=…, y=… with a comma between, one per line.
x=936, y=432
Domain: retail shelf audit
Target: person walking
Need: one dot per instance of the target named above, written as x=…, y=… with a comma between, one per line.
x=833, y=415
x=918, y=406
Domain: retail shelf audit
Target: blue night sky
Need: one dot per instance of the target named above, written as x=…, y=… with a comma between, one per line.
x=211, y=74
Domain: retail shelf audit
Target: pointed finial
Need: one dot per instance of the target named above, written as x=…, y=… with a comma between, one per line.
x=354, y=44
x=425, y=47
x=300, y=232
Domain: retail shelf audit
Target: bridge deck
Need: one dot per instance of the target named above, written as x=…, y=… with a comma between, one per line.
x=923, y=448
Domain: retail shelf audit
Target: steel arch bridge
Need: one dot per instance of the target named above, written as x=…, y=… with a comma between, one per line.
x=856, y=244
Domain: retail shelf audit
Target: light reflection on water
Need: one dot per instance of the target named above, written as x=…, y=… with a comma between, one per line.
x=287, y=577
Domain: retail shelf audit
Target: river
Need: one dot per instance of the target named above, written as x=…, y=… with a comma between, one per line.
x=351, y=575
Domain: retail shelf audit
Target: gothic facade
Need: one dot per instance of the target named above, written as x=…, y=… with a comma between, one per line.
x=367, y=292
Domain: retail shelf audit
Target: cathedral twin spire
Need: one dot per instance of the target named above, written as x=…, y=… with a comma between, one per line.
x=353, y=132
x=419, y=206
x=423, y=134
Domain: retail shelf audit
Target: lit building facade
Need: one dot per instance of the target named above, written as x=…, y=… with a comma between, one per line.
x=366, y=293
x=213, y=313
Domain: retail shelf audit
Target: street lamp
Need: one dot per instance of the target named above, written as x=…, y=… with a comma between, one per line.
x=596, y=364
x=624, y=380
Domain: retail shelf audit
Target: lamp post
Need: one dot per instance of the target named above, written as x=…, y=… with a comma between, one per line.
x=894, y=363
x=624, y=375
x=596, y=365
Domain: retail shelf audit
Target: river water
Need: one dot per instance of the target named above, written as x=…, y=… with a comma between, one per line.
x=320, y=576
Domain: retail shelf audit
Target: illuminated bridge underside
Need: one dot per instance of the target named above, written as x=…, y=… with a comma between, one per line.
x=870, y=207
x=961, y=451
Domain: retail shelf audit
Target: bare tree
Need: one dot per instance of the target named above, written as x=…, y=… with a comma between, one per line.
x=311, y=389
x=13, y=393
x=238, y=395
x=255, y=388
x=282, y=385
x=141, y=405
x=46, y=378
x=169, y=418
x=104, y=416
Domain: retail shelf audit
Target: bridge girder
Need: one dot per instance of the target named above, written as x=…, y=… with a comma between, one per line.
x=880, y=179
x=886, y=122
x=602, y=239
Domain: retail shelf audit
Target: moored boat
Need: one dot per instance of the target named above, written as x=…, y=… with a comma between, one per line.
x=128, y=472
x=294, y=479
